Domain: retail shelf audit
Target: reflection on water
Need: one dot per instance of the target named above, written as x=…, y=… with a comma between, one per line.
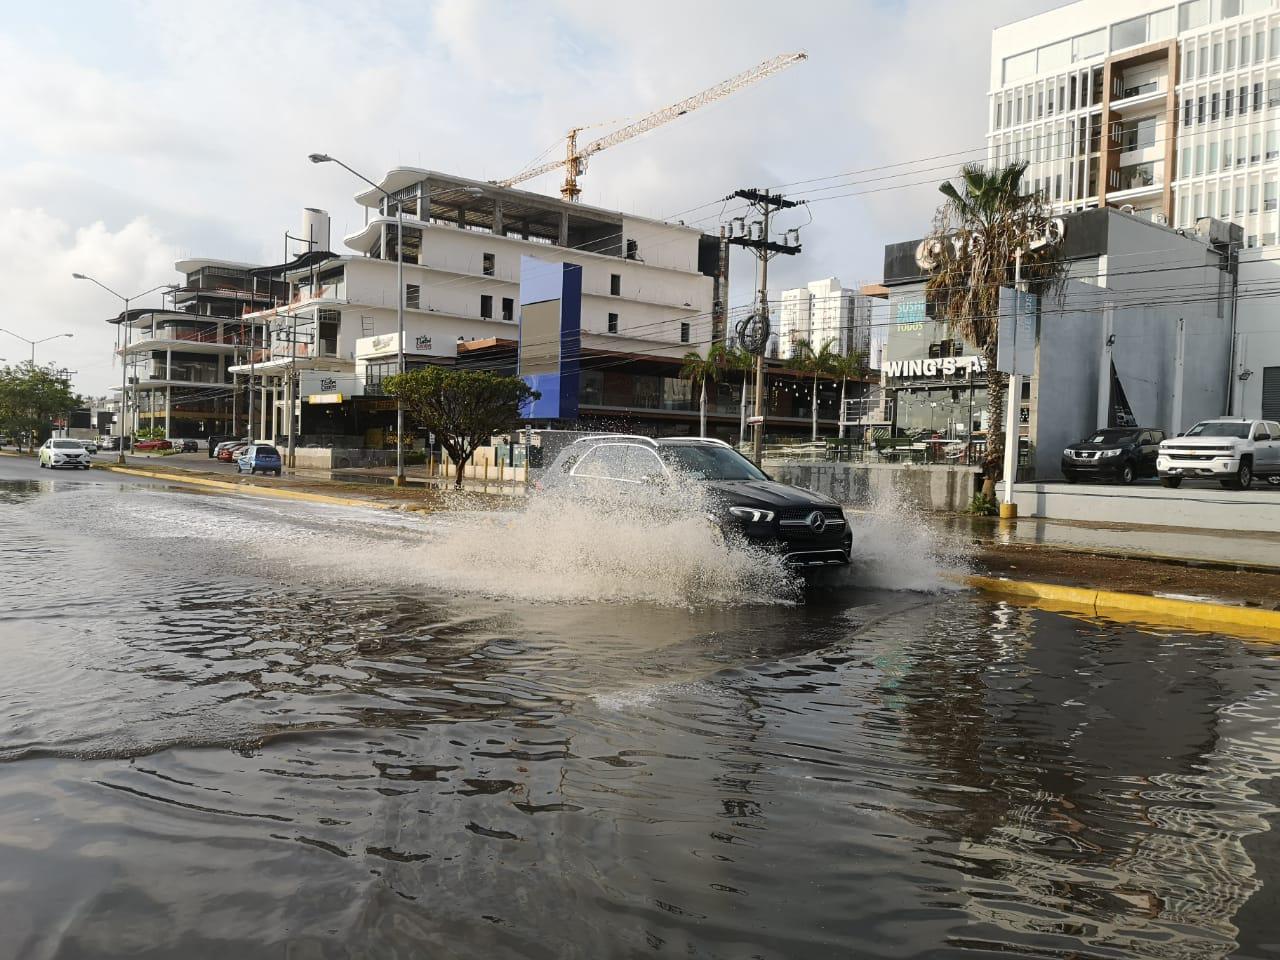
x=235, y=729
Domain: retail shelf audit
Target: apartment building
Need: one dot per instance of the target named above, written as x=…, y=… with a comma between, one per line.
x=179, y=358
x=824, y=312
x=1168, y=110
x=650, y=289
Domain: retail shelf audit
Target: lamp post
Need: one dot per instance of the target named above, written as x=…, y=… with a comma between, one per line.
x=325, y=158
x=35, y=343
x=124, y=357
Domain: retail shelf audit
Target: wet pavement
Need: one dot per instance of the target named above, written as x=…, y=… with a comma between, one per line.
x=234, y=727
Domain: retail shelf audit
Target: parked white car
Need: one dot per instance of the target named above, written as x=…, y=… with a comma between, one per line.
x=63, y=453
x=1230, y=450
x=90, y=446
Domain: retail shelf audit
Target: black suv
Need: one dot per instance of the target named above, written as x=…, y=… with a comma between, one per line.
x=1121, y=453
x=807, y=528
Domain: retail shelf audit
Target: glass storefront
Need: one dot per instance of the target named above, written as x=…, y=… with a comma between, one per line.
x=952, y=412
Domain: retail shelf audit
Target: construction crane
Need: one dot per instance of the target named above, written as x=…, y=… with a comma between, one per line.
x=575, y=160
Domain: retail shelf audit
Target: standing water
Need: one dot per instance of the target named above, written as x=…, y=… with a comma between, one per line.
x=236, y=728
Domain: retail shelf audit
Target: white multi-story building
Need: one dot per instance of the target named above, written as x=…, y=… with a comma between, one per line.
x=824, y=312
x=1171, y=110
x=649, y=288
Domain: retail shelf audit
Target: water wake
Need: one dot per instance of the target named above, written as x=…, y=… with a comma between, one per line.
x=896, y=547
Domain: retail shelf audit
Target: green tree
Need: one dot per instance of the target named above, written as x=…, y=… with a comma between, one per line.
x=817, y=362
x=847, y=366
x=701, y=370
x=985, y=225
x=741, y=361
x=30, y=398
x=463, y=408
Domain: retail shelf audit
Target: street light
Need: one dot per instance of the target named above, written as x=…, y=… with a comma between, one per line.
x=34, y=343
x=325, y=158
x=124, y=359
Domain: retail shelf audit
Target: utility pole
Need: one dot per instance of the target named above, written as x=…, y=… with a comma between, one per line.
x=753, y=331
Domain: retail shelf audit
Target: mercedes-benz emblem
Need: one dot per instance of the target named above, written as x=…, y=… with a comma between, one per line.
x=817, y=522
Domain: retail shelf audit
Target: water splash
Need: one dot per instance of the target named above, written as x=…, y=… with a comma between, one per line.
x=897, y=547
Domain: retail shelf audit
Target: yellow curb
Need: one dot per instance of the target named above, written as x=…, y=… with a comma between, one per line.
x=1108, y=603
x=248, y=488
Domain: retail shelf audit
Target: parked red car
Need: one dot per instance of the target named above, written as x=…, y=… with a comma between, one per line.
x=144, y=445
x=227, y=453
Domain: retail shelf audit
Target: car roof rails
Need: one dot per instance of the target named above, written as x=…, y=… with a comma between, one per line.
x=616, y=436
x=714, y=440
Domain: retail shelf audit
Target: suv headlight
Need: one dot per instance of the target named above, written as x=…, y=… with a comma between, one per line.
x=1110, y=453
x=752, y=514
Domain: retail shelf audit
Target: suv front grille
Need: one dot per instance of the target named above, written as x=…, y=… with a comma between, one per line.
x=802, y=513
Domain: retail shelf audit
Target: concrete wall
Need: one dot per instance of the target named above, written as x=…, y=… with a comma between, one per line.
x=934, y=488
x=1258, y=328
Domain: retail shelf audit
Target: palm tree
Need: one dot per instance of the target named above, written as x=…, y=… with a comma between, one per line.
x=987, y=222
x=700, y=370
x=736, y=358
x=816, y=362
x=847, y=366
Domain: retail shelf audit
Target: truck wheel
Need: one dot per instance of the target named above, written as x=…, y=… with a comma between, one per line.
x=1244, y=476
x=1127, y=474
x=1172, y=483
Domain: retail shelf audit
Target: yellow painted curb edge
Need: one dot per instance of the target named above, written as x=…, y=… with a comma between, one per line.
x=1101, y=602
x=252, y=488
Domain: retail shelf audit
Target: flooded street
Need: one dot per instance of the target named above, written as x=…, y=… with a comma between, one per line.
x=246, y=728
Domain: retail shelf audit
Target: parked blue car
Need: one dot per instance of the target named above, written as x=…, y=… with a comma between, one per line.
x=259, y=457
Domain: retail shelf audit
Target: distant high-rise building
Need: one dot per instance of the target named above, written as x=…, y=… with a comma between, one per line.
x=1168, y=110
x=821, y=312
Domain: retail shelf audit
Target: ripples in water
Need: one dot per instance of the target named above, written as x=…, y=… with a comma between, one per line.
x=214, y=751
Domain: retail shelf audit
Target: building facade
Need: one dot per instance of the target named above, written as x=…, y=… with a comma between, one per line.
x=1169, y=110
x=824, y=312
x=1121, y=342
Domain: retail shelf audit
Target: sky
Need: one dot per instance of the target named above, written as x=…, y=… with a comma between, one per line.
x=138, y=132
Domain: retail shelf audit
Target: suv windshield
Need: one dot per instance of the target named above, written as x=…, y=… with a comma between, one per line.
x=1220, y=428
x=709, y=461
x=1114, y=436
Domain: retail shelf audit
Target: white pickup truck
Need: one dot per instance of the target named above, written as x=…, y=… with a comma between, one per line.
x=1230, y=450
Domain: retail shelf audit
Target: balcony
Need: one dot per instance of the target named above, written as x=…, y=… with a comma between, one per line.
x=1145, y=97
x=1135, y=180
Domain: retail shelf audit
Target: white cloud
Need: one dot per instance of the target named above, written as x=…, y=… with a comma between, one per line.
x=159, y=129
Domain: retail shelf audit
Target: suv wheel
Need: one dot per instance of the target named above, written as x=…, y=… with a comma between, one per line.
x=1173, y=483
x=1127, y=474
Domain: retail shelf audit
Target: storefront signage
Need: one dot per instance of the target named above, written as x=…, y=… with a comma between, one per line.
x=329, y=383
x=928, y=250
x=422, y=343
x=325, y=398
x=935, y=367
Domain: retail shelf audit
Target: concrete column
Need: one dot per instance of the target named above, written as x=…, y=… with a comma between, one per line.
x=497, y=217
x=564, y=229
x=168, y=390
x=262, y=414
x=168, y=404
x=1179, y=363
x=1104, y=367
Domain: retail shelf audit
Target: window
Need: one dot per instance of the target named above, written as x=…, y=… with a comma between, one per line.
x=1192, y=14
x=1200, y=110
x=1230, y=8
x=1231, y=53
x=615, y=284
x=486, y=306
x=1257, y=96
x=1217, y=57
x=508, y=309
x=1187, y=107
x=1186, y=163
x=1213, y=158
x=1255, y=148
x=1275, y=42
x=613, y=323
x=1273, y=92
x=1273, y=144
x=1227, y=102
x=1189, y=63
x=1199, y=164
x=1269, y=195
x=628, y=462
x=1259, y=47
x=1242, y=102
x=1242, y=150
x=1213, y=107
x=1253, y=198
x=487, y=267
x=1020, y=66
x=684, y=332
x=1244, y=50
x=412, y=296
x=1224, y=202
x=1239, y=207
x=1126, y=33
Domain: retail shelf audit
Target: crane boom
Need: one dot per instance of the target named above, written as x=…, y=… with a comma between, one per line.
x=575, y=161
